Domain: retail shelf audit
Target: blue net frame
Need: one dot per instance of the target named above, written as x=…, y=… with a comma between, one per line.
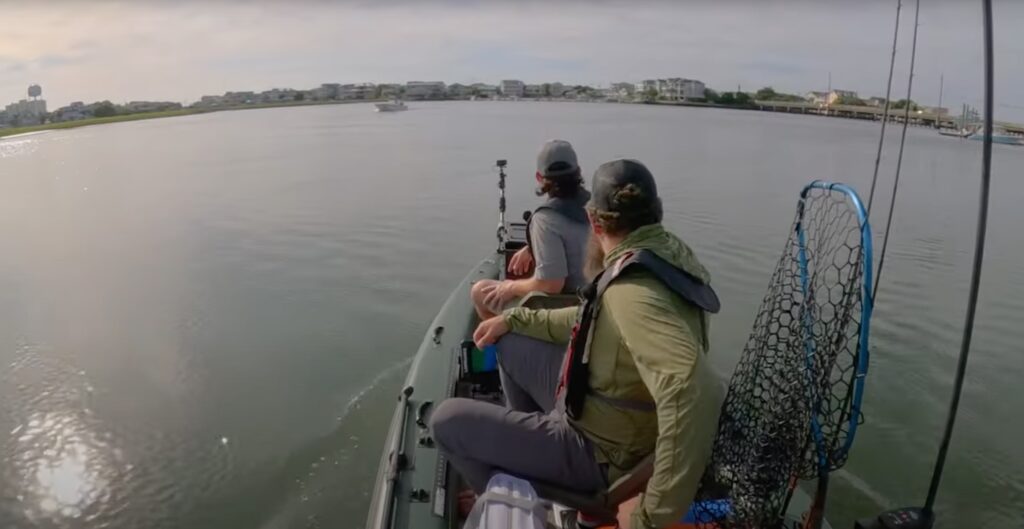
x=794, y=401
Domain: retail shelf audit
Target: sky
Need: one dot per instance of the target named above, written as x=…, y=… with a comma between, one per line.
x=179, y=51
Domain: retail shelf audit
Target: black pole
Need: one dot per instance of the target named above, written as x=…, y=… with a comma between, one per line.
x=979, y=256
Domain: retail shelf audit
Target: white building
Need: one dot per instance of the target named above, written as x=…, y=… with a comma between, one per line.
x=623, y=90
x=326, y=91
x=679, y=89
x=357, y=91
x=692, y=89
x=556, y=89
x=26, y=112
x=485, y=91
x=424, y=90
x=835, y=95
x=818, y=98
x=644, y=87
x=512, y=88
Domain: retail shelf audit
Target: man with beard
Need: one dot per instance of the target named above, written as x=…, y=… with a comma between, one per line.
x=634, y=380
x=556, y=236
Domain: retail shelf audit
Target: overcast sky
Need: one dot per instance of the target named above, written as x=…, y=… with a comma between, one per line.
x=86, y=51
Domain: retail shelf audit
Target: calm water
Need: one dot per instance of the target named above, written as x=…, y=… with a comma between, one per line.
x=204, y=320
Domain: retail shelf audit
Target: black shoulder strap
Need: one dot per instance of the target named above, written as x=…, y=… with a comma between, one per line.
x=681, y=282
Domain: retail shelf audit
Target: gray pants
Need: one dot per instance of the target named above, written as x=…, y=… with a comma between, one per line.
x=529, y=438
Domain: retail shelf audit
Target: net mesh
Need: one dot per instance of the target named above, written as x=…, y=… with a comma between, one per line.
x=787, y=413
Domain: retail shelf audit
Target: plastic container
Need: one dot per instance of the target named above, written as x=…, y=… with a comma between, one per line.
x=490, y=359
x=508, y=503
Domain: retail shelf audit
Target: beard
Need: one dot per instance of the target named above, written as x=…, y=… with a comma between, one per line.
x=594, y=262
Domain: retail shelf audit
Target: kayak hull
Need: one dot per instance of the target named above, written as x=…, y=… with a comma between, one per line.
x=407, y=465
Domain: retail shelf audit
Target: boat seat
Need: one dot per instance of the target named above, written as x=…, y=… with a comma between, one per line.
x=541, y=300
x=603, y=503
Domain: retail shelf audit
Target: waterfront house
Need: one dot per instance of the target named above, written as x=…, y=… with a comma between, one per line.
x=424, y=90
x=484, y=91
x=836, y=95
x=512, y=88
x=818, y=98
x=459, y=91
x=357, y=91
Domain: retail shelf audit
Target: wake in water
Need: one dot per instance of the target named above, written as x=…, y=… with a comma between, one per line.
x=331, y=477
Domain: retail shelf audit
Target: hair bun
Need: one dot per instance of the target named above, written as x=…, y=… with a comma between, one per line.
x=627, y=197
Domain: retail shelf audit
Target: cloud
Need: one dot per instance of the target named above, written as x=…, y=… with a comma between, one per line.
x=182, y=50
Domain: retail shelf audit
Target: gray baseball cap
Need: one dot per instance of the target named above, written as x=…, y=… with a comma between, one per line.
x=611, y=177
x=557, y=158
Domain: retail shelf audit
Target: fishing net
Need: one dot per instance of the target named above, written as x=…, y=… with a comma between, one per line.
x=793, y=403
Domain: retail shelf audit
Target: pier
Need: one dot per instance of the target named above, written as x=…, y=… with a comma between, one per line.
x=872, y=113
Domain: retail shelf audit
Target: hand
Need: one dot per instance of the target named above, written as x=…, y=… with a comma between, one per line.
x=500, y=294
x=521, y=261
x=489, y=331
x=626, y=509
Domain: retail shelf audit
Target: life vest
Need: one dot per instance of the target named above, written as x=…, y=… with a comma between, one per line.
x=574, y=384
x=570, y=208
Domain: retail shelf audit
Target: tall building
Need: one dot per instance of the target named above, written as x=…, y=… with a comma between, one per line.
x=26, y=112
x=679, y=88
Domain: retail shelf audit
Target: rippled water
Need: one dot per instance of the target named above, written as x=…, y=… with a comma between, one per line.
x=204, y=320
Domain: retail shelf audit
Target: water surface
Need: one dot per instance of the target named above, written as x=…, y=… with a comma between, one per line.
x=204, y=320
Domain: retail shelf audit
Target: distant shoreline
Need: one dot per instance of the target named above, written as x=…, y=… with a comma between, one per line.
x=18, y=131
x=837, y=112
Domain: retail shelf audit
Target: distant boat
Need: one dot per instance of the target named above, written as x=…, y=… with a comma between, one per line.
x=956, y=133
x=391, y=106
x=999, y=135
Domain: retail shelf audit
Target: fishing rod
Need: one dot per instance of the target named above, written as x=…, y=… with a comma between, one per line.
x=502, y=228
x=899, y=157
x=924, y=517
x=885, y=112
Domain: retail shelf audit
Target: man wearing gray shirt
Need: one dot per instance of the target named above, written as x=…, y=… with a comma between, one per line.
x=557, y=236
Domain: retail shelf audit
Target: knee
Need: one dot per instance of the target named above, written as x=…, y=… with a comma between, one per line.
x=444, y=421
x=476, y=292
x=511, y=345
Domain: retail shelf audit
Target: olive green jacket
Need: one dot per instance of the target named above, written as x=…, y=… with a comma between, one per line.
x=649, y=345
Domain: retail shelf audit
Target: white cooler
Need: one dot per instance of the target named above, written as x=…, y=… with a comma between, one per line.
x=508, y=503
